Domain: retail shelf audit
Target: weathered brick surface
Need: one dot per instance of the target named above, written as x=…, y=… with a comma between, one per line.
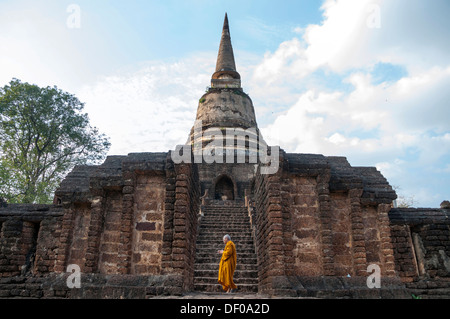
x=29, y=239
x=314, y=218
x=421, y=246
x=132, y=215
x=149, y=196
x=421, y=242
x=304, y=205
x=318, y=217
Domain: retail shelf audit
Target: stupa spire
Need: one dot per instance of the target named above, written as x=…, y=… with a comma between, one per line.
x=226, y=74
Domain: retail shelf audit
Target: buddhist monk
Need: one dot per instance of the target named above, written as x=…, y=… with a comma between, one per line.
x=227, y=265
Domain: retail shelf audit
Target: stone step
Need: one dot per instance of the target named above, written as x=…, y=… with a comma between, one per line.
x=213, y=209
x=224, y=214
x=215, y=287
x=213, y=263
x=225, y=210
x=217, y=238
x=214, y=254
x=225, y=217
x=213, y=205
x=237, y=201
x=241, y=274
x=227, y=229
x=234, y=235
x=226, y=223
x=233, y=232
x=217, y=242
x=237, y=281
x=204, y=243
x=215, y=259
x=212, y=249
x=218, y=235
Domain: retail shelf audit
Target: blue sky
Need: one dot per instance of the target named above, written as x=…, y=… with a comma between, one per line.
x=364, y=79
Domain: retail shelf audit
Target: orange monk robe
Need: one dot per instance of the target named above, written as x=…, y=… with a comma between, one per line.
x=228, y=266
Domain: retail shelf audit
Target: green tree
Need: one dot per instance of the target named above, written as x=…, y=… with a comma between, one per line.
x=43, y=135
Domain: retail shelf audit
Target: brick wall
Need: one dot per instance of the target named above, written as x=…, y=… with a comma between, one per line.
x=148, y=224
x=273, y=229
x=130, y=225
x=318, y=227
x=29, y=239
x=109, y=238
x=185, y=222
x=341, y=229
x=377, y=236
x=421, y=242
x=263, y=228
x=79, y=235
x=304, y=207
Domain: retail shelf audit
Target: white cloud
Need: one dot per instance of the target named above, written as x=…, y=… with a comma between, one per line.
x=399, y=126
x=344, y=27
x=348, y=39
x=379, y=125
x=149, y=109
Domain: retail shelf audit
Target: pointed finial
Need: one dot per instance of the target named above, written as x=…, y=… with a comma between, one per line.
x=225, y=22
x=225, y=66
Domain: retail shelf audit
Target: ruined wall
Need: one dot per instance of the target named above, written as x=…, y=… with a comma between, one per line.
x=287, y=223
x=269, y=235
x=304, y=206
x=108, y=261
x=29, y=239
x=79, y=236
x=186, y=214
x=341, y=229
x=378, y=238
x=130, y=224
x=318, y=224
x=421, y=241
x=148, y=219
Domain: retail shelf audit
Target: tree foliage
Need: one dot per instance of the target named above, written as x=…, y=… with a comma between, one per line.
x=43, y=135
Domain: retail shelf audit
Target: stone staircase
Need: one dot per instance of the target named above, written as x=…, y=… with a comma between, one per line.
x=221, y=218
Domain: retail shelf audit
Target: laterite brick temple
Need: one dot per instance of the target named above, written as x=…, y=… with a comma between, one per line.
x=149, y=224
